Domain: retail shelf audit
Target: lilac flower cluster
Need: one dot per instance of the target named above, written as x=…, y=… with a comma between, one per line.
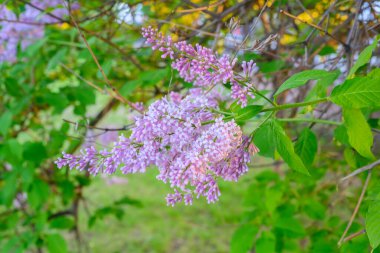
x=190, y=146
x=203, y=66
x=27, y=28
x=239, y=91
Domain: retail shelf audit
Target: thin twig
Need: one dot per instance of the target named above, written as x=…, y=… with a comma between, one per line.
x=360, y=170
x=186, y=27
x=81, y=78
x=202, y=8
x=252, y=29
x=346, y=46
x=117, y=95
x=352, y=236
x=356, y=208
x=106, y=129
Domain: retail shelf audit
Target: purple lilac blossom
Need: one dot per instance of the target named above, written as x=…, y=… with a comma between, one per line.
x=8, y=36
x=239, y=91
x=195, y=64
x=203, y=66
x=190, y=146
x=28, y=27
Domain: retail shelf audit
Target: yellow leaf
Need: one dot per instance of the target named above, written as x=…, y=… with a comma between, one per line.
x=63, y=26
x=287, y=39
x=304, y=16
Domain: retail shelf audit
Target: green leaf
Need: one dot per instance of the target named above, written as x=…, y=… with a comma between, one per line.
x=56, y=243
x=235, y=107
x=67, y=190
x=32, y=49
x=350, y=157
x=320, y=88
x=243, y=238
x=290, y=224
x=359, y=133
x=340, y=134
x=326, y=50
x=57, y=100
x=5, y=122
x=12, y=152
x=269, y=137
x=9, y=189
x=84, y=95
x=13, y=87
x=62, y=223
x=34, y=151
x=106, y=211
x=129, y=87
x=106, y=66
x=264, y=140
x=272, y=66
x=128, y=201
x=284, y=147
x=372, y=224
x=314, y=209
x=14, y=245
x=302, y=78
x=58, y=57
x=306, y=146
x=152, y=77
x=38, y=193
x=248, y=112
x=359, y=92
x=273, y=197
x=364, y=57
x=266, y=243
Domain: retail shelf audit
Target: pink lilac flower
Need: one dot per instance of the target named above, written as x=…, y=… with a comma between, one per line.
x=203, y=66
x=190, y=146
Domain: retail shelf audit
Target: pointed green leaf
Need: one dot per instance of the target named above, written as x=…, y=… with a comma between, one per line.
x=266, y=243
x=285, y=148
x=358, y=92
x=243, y=238
x=264, y=140
x=38, y=193
x=56, y=243
x=5, y=122
x=306, y=146
x=320, y=88
x=273, y=197
x=270, y=137
x=303, y=77
x=290, y=225
x=248, y=112
x=62, y=223
x=372, y=224
x=58, y=57
x=359, y=133
x=34, y=151
x=364, y=57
